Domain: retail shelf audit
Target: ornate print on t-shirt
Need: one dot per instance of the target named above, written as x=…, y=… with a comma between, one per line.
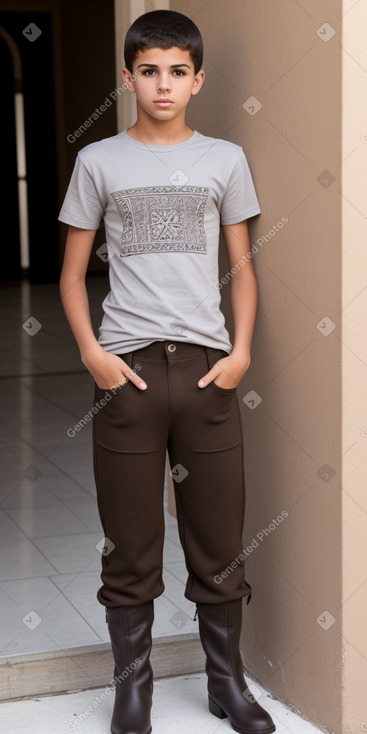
x=162, y=219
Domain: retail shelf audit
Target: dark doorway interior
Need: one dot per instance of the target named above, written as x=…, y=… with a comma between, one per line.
x=10, y=269
x=36, y=52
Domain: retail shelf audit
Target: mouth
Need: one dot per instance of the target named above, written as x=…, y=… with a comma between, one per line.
x=163, y=102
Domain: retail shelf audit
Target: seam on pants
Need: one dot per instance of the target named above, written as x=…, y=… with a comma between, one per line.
x=216, y=451
x=96, y=467
x=183, y=525
x=249, y=595
x=207, y=358
x=120, y=451
x=242, y=471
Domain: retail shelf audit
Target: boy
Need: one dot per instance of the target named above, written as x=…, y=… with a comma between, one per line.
x=165, y=365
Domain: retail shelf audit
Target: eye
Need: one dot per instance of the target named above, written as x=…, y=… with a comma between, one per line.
x=179, y=72
x=148, y=72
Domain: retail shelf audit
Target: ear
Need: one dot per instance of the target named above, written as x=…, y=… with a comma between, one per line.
x=198, y=81
x=128, y=78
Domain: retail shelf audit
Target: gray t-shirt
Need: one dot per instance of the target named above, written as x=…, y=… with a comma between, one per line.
x=162, y=207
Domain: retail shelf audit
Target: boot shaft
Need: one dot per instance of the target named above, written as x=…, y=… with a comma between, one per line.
x=130, y=631
x=220, y=632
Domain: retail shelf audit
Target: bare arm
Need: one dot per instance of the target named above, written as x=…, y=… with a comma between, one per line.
x=107, y=369
x=227, y=372
x=243, y=289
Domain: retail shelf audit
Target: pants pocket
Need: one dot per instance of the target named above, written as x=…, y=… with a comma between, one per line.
x=222, y=390
x=213, y=356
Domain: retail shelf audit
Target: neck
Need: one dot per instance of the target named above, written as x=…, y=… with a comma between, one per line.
x=160, y=132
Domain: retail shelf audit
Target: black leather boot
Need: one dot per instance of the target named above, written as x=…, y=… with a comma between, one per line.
x=130, y=631
x=220, y=628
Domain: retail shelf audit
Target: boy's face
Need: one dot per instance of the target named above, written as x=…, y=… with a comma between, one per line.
x=163, y=75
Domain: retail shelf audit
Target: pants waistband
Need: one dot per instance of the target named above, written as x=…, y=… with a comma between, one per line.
x=172, y=349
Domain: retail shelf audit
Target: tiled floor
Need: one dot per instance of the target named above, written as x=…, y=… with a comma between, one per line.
x=49, y=527
x=179, y=706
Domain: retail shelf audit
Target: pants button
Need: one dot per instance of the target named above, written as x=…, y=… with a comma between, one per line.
x=171, y=347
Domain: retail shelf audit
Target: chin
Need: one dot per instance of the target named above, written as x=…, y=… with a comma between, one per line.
x=158, y=114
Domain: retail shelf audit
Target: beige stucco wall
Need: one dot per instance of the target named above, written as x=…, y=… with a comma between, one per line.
x=305, y=443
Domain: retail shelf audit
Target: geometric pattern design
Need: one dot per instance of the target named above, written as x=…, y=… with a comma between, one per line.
x=162, y=219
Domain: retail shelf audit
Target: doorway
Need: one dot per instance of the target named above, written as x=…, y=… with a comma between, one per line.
x=29, y=181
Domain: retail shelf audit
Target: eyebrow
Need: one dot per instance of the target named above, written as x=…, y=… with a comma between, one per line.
x=155, y=66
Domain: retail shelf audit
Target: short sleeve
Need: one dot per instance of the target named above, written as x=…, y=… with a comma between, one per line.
x=82, y=205
x=240, y=200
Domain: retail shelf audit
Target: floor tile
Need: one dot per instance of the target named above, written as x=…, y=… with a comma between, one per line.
x=179, y=706
x=40, y=522
x=22, y=560
x=69, y=553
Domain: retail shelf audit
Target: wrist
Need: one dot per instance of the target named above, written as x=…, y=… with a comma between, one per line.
x=90, y=352
x=241, y=354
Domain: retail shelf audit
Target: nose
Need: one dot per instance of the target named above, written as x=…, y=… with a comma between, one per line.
x=163, y=82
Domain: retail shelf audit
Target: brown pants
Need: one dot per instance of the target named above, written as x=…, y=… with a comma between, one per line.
x=201, y=429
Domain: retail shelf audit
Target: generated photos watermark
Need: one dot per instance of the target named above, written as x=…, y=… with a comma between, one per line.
x=97, y=700
x=99, y=111
x=220, y=577
x=109, y=394
x=260, y=242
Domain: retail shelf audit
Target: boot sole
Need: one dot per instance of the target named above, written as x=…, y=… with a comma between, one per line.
x=220, y=714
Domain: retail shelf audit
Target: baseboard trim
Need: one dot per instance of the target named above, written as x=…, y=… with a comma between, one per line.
x=91, y=666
